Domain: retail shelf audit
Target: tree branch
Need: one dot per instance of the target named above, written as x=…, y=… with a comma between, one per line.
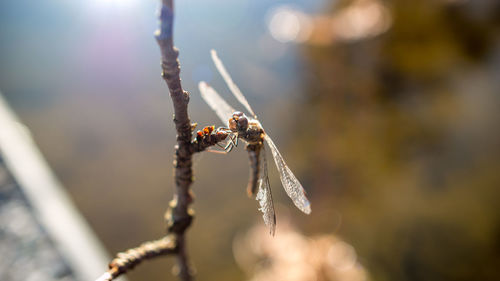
x=178, y=216
x=132, y=257
x=208, y=137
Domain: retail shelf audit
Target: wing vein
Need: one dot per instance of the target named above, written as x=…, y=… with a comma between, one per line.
x=264, y=195
x=291, y=184
x=223, y=110
x=232, y=86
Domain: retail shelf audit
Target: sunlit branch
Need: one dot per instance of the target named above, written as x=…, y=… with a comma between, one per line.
x=127, y=260
x=178, y=216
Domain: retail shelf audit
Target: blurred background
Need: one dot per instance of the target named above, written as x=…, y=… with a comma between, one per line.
x=387, y=112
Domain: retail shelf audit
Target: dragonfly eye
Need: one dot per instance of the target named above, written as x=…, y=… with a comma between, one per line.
x=237, y=114
x=233, y=125
x=242, y=123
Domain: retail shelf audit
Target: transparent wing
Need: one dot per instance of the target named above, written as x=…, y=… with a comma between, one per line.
x=264, y=195
x=216, y=102
x=290, y=183
x=232, y=86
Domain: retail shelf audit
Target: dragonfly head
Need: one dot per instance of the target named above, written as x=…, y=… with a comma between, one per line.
x=239, y=122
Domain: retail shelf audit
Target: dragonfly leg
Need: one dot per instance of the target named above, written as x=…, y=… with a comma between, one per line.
x=231, y=143
x=229, y=147
x=236, y=144
x=225, y=149
x=223, y=129
x=217, y=151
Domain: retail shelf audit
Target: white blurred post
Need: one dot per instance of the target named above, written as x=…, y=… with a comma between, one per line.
x=53, y=207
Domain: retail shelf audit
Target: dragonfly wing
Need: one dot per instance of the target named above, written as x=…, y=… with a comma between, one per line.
x=290, y=183
x=216, y=102
x=264, y=195
x=232, y=86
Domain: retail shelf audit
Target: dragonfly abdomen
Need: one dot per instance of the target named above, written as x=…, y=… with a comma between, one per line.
x=254, y=151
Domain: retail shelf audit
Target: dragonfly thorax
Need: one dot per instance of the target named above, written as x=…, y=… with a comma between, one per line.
x=254, y=134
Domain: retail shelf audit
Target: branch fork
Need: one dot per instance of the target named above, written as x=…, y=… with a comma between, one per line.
x=179, y=215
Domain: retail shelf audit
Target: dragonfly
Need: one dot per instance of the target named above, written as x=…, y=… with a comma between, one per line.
x=250, y=130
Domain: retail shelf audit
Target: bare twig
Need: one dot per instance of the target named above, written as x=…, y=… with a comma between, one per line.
x=172, y=243
x=130, y=258
x=208, y=137
x=178, y=216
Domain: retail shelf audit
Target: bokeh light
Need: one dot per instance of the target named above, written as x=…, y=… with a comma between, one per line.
x=287, y=24
x=362, y=19
x=359, y=20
